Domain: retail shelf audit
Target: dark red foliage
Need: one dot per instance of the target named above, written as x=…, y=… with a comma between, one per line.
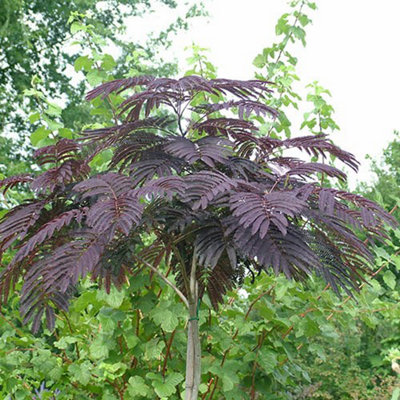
x=13, y=181
x=209, y=187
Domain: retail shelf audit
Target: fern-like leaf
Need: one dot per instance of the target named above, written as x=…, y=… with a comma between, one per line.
x=208, y=150
x=258, y=211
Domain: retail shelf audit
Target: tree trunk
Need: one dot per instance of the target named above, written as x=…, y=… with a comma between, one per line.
x=193, y=356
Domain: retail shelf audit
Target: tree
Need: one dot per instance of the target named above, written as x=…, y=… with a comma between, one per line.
x=385, y=186
x=35, y=39
x=217, y=198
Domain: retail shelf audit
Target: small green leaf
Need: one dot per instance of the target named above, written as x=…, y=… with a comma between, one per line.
x=268, y=360
x=108, y=62
x=53, y=125
x=390, y=279
x=174, y=378
x=281, y=290
x=81, y=372
x=153, y=349
x=100, y=160
x=259, y=61
x=95, y=77
x=382, y=253
x=86, y=299
x=65, y=341
x=98, y=349
x=39, y=134
x=165, y=318
x=76, y=27
x=131, y=339
x=66, y=133
x=137, y=387
x=53, y=109
x=166, y=388
x=83, y=63
x=114, y=299
x=34, y=117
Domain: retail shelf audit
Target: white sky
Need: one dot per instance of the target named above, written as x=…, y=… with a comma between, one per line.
x=353, y=49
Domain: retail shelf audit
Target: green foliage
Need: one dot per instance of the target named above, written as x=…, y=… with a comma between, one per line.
x=276, y=338
x=386, y=177
x=36, y=30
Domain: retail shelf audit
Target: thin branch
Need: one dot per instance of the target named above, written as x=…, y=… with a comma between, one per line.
x=72, y=332
x=182, y=267
x=167, y=352
x=226, y=352
x=167, y=281
x=20, y=333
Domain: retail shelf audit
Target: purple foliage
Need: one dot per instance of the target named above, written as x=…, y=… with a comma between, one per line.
x=216, y=190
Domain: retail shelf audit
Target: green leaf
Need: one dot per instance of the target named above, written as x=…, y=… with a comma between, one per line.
x=382, y=253
x=86, y=299
x=281, y=290
x=101, y=159
x=96, y=77
x=304, y=20
x=137, y=387
x=66, y=133
x=81, y=372
x=33, y=92
x=44, y=361
x=83, y=63
x=227, y=383
x=98, y=349
x=109, y=318
x=53, y=125
x=174, y=378
x=108, y=62
x=114, y=299
x=65, y=341
x=259, y=61
x=39, y=134
x=166, y=388
x=53, y=109
x=165, y=318
x=76, y=27
x=34, y=117
x=153, y=349
x=268, y=360
x=390, y=279
x=131, y=339
x=396, y=261
x=282, y=27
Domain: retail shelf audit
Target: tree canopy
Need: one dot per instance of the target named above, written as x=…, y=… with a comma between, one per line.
x=212, y=191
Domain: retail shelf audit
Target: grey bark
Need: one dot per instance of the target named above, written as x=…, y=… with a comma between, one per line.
x=193, y=355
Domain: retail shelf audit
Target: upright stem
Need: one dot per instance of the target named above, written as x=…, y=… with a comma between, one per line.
x=193, y=355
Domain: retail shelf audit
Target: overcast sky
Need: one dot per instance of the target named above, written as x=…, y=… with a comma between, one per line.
x=353, y=49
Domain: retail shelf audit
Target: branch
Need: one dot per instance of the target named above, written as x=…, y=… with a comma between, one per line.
x=167, y=353
x=182, y=267
x=168, y=282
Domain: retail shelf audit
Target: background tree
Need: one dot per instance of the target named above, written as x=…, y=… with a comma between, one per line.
x=384, y=185
x=35, y=41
